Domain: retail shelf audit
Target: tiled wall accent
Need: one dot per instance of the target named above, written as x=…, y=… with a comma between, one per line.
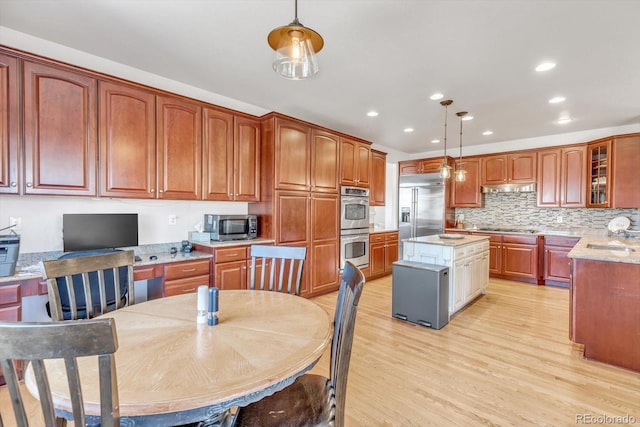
x=520, y=209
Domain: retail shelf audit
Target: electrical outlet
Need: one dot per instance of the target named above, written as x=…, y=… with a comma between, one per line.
x=173, y=219
x=559, y=219
x=17, y=221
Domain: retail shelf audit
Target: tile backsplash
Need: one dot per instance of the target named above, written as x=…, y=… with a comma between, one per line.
x=520, y=209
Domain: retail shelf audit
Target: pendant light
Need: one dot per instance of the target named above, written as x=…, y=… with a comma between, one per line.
x=445, y=169
x=295, y=49
x=460, y=173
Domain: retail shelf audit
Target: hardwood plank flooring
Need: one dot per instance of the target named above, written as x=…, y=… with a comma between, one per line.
x=505, y=360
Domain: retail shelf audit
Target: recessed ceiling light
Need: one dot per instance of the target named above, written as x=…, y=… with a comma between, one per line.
x=407, y=130
x=467, y=118
x=545, y=66
x=436, y=96
x=556, y=99
x=372, y=114
x=563, y=120
x=435, y=141
x=487, y=132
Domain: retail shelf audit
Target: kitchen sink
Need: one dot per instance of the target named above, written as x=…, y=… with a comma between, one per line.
x=610, y=247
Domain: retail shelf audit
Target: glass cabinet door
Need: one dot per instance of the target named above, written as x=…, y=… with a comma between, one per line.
x=599, y=182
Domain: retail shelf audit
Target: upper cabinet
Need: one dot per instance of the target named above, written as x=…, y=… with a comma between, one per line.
x=325, y=158
x=510, y=168
x=127, y=140
x=9, y=124
x=562, y=176
x=292, y=155
x=599, y=161
x=613, y=176
x=378, y=178
x=467, y=193
x=60, y=133
x=410, y=167
x=178, y=148
x=355, y=169
x=231, y=156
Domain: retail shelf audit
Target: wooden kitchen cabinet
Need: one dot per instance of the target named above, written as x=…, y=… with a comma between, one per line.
x=292, y=155
x=127, y=140
x=378, y=178
x=509, y=168
x=231, y=157
x=383, y=250
x=355, y=163
x=556, y=264
x=9, y=124
x=513, y=256
x=231, y=267
x=411, y=167
x=60, y=130
x=599, y=161
x=178, y=148
x=562, y=176
x=467, y=193
x=185, y=276
x=325, y=158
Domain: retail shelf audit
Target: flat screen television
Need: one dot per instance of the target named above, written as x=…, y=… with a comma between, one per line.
x=81, y=232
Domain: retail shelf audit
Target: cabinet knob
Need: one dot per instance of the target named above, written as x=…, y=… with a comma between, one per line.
x=13, y=184
x=151, y=190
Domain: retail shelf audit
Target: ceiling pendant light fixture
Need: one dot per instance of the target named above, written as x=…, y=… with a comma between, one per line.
x=460, y=173
x=295, y=49
x=445, y=169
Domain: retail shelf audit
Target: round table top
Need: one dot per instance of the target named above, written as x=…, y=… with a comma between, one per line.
x=166, y=362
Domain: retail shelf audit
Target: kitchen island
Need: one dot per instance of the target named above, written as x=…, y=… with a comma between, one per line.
x=466, y=256
x=604, y=313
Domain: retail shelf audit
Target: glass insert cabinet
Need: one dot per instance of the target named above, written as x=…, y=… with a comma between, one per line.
x=599, y=157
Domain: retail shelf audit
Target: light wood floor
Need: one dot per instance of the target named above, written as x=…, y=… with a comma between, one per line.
x=505, y=360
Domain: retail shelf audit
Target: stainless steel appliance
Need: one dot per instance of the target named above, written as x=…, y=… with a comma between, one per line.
x=421, y=203
x=354, y=248
x=231, y=227
x=354, y=226
x=354, y=208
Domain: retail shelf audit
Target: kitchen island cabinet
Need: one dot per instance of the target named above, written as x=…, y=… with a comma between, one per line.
x=604, y=298
x=467, y=258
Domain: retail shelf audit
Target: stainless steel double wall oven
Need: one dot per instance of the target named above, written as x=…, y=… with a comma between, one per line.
x=354, y=226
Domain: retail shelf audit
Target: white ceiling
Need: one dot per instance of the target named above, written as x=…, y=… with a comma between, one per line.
x=386, y=55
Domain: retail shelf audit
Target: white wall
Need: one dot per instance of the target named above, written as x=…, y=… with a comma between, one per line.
x=41, y=216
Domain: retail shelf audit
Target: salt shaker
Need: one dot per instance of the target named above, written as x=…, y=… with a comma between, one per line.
x=202, y=304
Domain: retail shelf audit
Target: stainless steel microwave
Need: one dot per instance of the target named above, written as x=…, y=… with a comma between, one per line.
x=231, y=227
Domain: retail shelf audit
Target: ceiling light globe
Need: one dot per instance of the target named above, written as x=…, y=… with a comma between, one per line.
x=445, y=171
x=461, y=175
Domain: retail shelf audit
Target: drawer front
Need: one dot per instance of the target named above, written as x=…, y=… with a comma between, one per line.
x=391, y=237
x=523, y=240
x=9, y=294
x=568, y=242
x=237, y=253
x=10, y=314
x=376, y=238
x=181, y=270
x=184, y=286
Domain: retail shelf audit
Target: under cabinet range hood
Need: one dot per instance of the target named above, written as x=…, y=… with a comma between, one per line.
x=510, y=188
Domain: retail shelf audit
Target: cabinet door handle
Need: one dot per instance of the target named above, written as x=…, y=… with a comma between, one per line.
x=152, y=190
x=29, y=184
x=232, y=254
x=189, y=290
x=160, y=191
x=187, y=270
x=13, y=184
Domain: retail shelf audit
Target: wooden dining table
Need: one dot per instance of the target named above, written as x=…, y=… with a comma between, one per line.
x=172, y=370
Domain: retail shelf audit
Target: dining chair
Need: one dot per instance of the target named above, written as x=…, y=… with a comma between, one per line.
x=277, y=258
x=314, y=400
x=103, y=277
x=35, y=342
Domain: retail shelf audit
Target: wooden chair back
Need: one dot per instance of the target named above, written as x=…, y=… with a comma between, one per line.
x=278, y=259
x=37, y=342
x=105, y=279
x=351, y=288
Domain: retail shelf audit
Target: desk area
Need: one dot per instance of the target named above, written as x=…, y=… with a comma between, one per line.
x=173, y=371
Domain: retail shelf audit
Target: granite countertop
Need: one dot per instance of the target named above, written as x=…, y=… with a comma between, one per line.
x=215, y=244
x=613, y=249
x=436, y=240
x=381, y=229
x=540, y=231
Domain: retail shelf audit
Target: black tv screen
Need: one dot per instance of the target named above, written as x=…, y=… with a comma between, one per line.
x=81, y=232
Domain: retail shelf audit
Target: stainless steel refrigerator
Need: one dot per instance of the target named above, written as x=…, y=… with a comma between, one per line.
x=421, y=200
